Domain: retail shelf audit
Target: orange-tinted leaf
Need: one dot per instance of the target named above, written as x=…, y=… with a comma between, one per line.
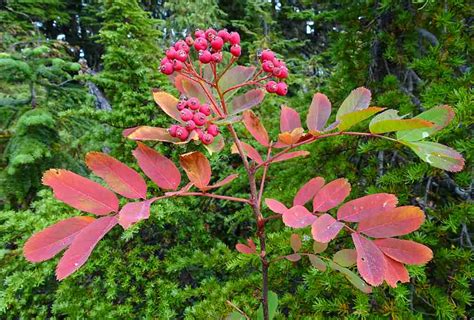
x=167, y=103
x=48, y=242
x=345, y=257
x=157, y=167
x=276, y=206
x=289, y=119
x=246, y=249
x=133, y=212
x=325, y=228
x=293, y=257
x=370, y=260
x=250, y=151
x=319, y=112
x=394, y=272
x=119, y=177
x=298, y=217
x=146, y=133
x=395, y=222
x=223, y=182
x=197, y=168
x=191, y=88
x=80, y=193
x=83, y=244
x=255, y=127
x=392, y=125
x=235, y=76
x=358, y=99
x=361, y=208
x=289, y=137
x=317, y=262
x=350, y=119
x=291, y=155
x=331, y=195
x=405, y=251
x=319, y=247
x=295, y=242
x=246, y=101
x=308, y=191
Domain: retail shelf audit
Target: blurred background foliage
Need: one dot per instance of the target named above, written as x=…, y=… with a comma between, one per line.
x=74, y=74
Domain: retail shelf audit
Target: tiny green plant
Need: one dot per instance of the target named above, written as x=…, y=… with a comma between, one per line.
x=216, y=96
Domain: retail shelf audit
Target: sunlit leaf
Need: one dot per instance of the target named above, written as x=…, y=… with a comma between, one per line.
x=298, y=217
x=308, y=191
x=246, y=101
x=157, y=167
x=394, y=272
x=405, y=251
x=331, y=195
x=295, y=242
x=361, y=208
x=83, y=244
x=118, y=176
x=48, y=242
x=358, y=99
x=133, y=212
x=80, y=193
x=255, y=127
x=370, y=260
x=147, y=133
x=197, y=168
x=345, y=257
x=289, y=119
x=352, y=277
x=275, y=206
x=395, y=222
x=318, y=113
x=348, y=120
x=250, y=151
x=325, y=228
x=167, y=103
x=438, y=155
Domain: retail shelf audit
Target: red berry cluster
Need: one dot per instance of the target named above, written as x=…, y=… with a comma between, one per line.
x=208, y=44
x=195, y=119
x=276, y=69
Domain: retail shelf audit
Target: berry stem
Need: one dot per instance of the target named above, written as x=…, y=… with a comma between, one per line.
x=248, y=83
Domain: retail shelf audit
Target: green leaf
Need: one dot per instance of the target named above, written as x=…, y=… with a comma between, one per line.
x=358, y=99
x=391, y=125
x=348, y=120
x=216, y=146
x=272, y=306
x=345, y=257
x=317, y=262
x=441, y=116
x=437, y=155
x=352, y=277
x=235, y=316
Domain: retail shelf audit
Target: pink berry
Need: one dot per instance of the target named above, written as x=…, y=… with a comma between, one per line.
x=223, y=34
x=213, y=130
x=234, y=38
x=283, y=73
x=172, y=130
x=210, y=34
x=207, y=138
x=277, y=62
x=181, y=45
x=217, y=57
x=267, y=66
x=199, y=118
x=199, y=33
x=177, y=65
x=217, y=43
x=271, y=86
x=182, y=133
x=200, y=44
x=193, y=103
x=186, y=114
x=190, y=125
x=167, y=68
x=171, y=53
x=181, y=55
x=206, y=109
x=165, y=60
x=205, y=56
x=282, y=89
x=189, y=41
x=199, y=133
x=267, y=55
x=181, y=105
x=235, y=50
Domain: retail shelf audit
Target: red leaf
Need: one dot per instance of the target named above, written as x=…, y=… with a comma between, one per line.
x=331, y=195
x=246, y=101
x=295, y=242
x=317, y=262
x=246, y=249
x=319, y=112
x=255, y=127
x=370, y=260
x=133, y=212
x=289, y=119
x=298, y=217
x=223, y=182
x=276, y=206
x=394, y=272
x=308, y=191
x=293, y=257
x=167, y=103
x=47, y=243
x=396, y=222
x=291, y=155
x=405, y=251
x=146, y=133
x=80, y=193
x=81, y=248
x=361, y=208
x=197, y=168
x=358, y=99
x=120, y=177
x=325, y=228
x=250, y=151
x=157, y=167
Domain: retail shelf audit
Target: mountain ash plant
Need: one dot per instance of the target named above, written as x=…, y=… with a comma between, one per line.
x=217, y=95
